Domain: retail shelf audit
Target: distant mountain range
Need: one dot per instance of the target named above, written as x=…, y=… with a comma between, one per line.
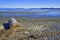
x=31, y=9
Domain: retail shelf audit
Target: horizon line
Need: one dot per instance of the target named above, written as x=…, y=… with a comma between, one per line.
x=25, y=8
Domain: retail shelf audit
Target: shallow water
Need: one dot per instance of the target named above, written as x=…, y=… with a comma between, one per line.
x=48, y=14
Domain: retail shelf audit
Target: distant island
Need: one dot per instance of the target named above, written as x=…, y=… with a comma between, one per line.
x=28, y=10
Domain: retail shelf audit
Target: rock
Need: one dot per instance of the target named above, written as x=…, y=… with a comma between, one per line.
x=26, y=33
x=11, y=22
x=6, y=25
x=33, y=36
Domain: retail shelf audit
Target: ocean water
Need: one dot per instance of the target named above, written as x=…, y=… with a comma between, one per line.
x=47, y=15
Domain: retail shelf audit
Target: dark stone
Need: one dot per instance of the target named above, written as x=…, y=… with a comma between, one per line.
x=32, y=36
x=6, y=25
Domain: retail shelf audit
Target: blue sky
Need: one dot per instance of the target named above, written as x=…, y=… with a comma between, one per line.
x=29, y=3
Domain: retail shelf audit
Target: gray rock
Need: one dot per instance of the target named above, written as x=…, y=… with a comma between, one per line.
x=12, y=21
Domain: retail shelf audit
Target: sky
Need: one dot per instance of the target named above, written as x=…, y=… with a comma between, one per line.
x=29, y=3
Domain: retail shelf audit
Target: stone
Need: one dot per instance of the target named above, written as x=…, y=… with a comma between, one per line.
x=11, y=22
x=6, y=25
